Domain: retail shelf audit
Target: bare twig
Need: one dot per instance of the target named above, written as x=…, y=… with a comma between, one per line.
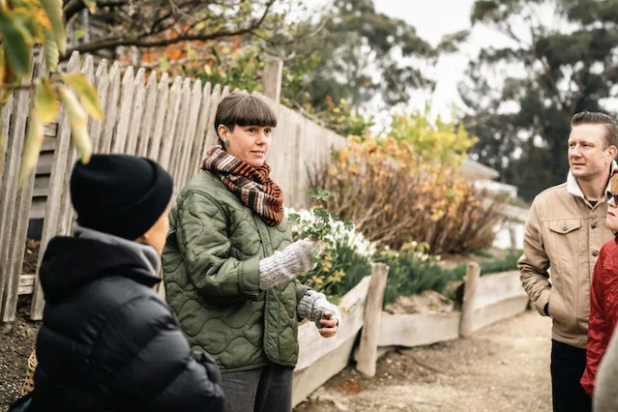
x=13, y=87
x=148, y=40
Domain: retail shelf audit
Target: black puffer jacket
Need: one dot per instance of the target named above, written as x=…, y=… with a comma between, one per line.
x=110, y=343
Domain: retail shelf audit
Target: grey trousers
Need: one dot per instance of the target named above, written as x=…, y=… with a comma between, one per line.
x=267, y=389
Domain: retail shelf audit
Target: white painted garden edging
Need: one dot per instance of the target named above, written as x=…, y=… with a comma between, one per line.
x=497, y=297
x=319, y=358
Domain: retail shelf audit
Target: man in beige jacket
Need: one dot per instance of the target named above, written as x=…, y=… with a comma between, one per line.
x=564, y=233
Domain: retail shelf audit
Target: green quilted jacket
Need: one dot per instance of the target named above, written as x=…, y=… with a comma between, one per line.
x=211, y=275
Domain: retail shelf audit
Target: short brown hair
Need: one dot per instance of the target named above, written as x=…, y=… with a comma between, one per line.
x=243, y=109
x=611, y=135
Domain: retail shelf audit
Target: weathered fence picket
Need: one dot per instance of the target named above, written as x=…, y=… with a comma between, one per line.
x=189, y=134
x=65, y=225
x=138, y=112
x=148, y=120
x=199, y=142
x=5, y=159
x=211, y=136
x=58, y=193
x=162, y=97
x=178, y=141
x=101, y=81
x=111, y=109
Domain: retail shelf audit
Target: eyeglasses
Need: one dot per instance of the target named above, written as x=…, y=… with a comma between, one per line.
x=610, y=195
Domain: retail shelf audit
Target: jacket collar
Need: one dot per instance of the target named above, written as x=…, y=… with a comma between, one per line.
x=145, y=254
x=70, y=263
x=573, y=186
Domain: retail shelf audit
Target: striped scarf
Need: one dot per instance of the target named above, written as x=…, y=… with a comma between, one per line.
x=252, y=186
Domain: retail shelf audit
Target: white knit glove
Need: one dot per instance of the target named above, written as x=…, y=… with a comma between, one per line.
x=284, y=265
x=313, y=305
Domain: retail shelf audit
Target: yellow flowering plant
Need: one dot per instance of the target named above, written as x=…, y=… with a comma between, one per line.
x=394, y=196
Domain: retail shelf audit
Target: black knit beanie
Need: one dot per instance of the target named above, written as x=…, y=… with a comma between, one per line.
x=119, y=194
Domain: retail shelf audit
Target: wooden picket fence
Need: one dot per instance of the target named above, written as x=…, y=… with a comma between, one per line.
x=168, y=120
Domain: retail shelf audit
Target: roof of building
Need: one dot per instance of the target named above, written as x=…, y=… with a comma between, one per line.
x=475, y=170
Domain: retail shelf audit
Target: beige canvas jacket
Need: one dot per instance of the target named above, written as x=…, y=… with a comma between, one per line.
x=563, y=236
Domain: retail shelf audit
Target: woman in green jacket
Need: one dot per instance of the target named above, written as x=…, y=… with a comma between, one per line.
x=230, y=264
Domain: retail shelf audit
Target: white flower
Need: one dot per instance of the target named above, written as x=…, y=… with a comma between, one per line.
x=329, y=239
x=350, y=238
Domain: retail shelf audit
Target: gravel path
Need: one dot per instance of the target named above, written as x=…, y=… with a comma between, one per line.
x=502, y=368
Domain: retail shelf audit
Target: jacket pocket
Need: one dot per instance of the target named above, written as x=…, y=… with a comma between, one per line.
x=562, y=314
x=555, y=308
x=564, y=227
x=562, y=246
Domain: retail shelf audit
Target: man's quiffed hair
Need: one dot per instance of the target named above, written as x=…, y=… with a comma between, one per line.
x=611, y=135
x=242, y=109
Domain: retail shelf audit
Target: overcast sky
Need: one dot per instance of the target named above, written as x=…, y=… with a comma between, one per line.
x=432, y=20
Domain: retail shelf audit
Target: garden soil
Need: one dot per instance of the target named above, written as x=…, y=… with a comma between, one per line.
x=427, y=302
x=502, y=368
x=17, y=341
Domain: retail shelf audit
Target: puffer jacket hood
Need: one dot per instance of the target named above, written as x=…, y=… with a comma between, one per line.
x=72, y=262
x=108, y=342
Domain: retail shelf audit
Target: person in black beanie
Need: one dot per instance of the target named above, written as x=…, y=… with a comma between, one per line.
x=108, y=342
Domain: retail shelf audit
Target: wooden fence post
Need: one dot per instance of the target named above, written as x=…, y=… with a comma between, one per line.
x=271, y=79
x=368, y=350
x=467, y=308
x=513, y=235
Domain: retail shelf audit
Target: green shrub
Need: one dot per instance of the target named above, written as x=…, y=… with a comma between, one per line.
x=505, y=264
x=348, y=269
x=413, y=273
x=483, y=253
x=410, y=274
x=354, y=265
